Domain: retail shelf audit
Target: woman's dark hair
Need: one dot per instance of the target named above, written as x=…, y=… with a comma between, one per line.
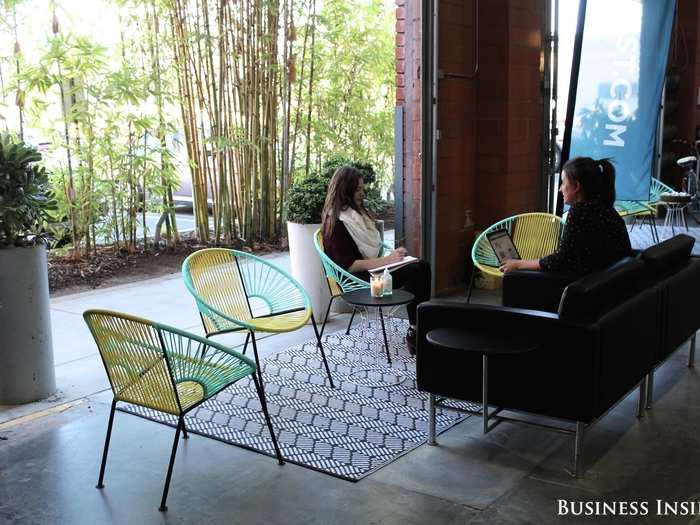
x=340, y=196
x=596, y=177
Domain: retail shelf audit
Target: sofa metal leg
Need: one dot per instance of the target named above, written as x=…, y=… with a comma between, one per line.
x=485, y=391
x=650, y=389
x=431, y=420
x=691, y=355
x=578, y=448
x=642, y=398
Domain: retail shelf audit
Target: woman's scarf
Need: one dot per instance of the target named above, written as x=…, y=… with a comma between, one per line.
x=363, y=231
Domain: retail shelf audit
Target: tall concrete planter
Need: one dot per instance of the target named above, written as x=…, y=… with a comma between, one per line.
x=26, y=351
x=307, y=267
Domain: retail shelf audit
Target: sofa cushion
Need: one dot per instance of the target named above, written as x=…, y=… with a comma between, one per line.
x=667, y=255
x=594, y=294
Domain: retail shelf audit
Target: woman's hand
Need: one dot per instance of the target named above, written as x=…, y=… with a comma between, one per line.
x=511, y=265
x=397, y=255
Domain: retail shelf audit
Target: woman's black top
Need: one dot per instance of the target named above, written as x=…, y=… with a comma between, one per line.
x=595, y=236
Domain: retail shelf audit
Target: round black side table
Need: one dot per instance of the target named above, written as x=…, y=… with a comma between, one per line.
x=484, y=343
x=362, y=297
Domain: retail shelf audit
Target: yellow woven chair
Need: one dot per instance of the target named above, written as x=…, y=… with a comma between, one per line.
x=238, y=291
x=165, y=369
x=534, y=235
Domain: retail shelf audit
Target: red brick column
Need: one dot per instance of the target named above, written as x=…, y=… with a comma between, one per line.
x=408, y=95
x=490, y=123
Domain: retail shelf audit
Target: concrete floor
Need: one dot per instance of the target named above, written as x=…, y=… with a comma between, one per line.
x=50, y=452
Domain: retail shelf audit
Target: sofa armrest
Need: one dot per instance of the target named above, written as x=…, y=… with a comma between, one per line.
x=558, y=378
x=444, y=313
x=535, y=290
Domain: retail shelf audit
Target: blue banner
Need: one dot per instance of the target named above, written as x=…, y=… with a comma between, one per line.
x=621, y=77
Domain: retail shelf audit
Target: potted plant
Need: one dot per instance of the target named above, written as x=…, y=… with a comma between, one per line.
x=304, y=205
x=26, y=353
x=303, y=210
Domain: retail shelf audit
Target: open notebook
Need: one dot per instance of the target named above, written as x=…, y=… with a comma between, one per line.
x=393, y=266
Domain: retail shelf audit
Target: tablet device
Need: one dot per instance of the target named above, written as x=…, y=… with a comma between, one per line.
x=502, y=245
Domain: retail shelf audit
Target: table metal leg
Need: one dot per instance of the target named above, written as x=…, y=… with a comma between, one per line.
x=386, y=342
x=673, y=221
x=667, y=221
x=431, y=420
x=650, y=389
x=484, y=391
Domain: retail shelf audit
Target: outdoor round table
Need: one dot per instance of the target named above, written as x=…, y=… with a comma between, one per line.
x=675, y=214
x=484, y=343
x=362, y=297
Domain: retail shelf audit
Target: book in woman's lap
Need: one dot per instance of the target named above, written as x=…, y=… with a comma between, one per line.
x=393, y=266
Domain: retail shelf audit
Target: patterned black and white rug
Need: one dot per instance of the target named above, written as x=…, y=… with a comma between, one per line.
x=373, y=416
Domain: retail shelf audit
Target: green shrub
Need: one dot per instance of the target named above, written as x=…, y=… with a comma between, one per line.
x=306, y=195
x=25, y=198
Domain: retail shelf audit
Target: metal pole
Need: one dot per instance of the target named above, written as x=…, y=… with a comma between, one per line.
x=555, y=97
x=434, y=149
x=573, y=87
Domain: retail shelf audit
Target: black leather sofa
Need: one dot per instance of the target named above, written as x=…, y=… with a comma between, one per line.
x=608, y=333
x=676, y=276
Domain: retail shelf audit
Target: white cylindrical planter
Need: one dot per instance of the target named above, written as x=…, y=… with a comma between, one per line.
x=26, y=353
x=307, y=267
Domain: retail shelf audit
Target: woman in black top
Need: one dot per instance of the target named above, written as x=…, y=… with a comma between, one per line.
x=351, y=240
x=595, y=236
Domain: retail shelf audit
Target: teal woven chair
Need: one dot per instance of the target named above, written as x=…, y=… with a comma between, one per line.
x=238, y=291
x=165, y=369
x=339, y=280
x=645, y=209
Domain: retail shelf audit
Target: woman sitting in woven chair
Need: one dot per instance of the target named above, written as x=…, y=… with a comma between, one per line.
x=352, y=241
x=595, y=236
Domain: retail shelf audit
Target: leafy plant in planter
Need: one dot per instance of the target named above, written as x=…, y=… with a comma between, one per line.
x=26, y=200
x=26, y=360
x=307, y=195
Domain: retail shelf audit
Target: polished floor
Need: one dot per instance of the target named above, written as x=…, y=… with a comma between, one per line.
x=49, y=464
